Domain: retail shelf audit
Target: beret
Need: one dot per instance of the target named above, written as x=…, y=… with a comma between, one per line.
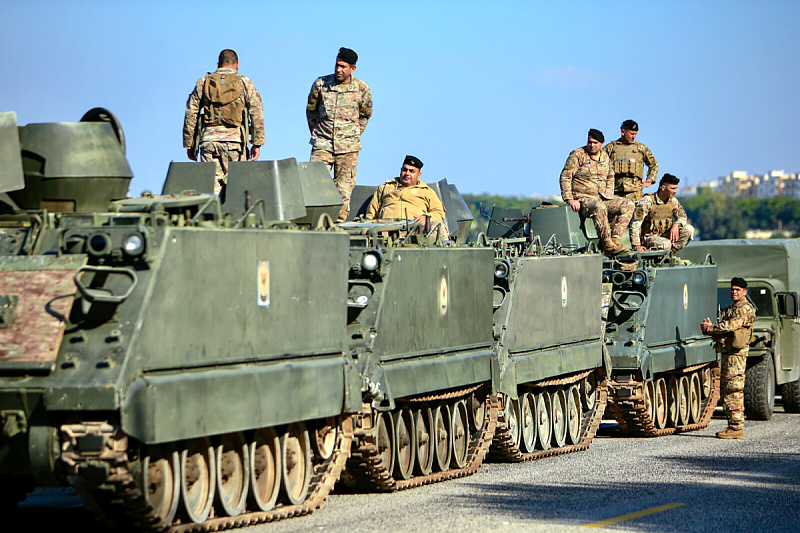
x=412, y=161
x=630, y=125
x=669, y=179
x=347, y=55
x=739, y=282
x=597, y=135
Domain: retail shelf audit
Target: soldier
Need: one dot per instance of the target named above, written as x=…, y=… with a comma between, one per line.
x=628, y=158
x=224, y=113
x=339, y=107
x=732, y=336
x=407, y=197
x=587, y=184
x=659, y=221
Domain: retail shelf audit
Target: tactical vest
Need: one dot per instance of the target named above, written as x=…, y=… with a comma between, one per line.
x=222, y=102
x=627, y=161
x=659, y=219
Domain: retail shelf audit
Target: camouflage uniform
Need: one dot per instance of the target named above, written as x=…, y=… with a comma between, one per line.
x=393, y=200
x=590, y=180
x=627, y=162
x=337, y=115
x=219, y=143
x=653, y=219
x=732, y=336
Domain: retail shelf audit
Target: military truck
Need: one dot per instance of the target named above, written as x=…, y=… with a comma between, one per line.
x=169, y=355
x=772, y=270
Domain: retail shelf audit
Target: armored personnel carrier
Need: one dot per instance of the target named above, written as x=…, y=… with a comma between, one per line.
x=772, y=270
x=178, y=359
x=551, y=371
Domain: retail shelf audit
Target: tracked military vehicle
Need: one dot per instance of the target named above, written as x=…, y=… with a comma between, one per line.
x=177, y=359
x=772, y=270
x=551, y=372
x=663, y=373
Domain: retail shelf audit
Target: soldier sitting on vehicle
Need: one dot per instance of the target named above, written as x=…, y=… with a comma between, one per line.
x=407, y=197
x=659, y=221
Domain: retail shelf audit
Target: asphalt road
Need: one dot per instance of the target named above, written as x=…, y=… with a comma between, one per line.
x=692, y=482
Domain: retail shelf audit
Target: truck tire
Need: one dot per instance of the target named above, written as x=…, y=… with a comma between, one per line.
x=759, y=389
x=790, y=393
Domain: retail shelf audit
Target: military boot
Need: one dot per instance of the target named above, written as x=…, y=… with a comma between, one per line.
x=730, y=433
x=613, y=247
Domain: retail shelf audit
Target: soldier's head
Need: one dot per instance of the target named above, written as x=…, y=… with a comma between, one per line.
x=228, y=59
x=668, y=187
x=410, y=171
x=629, y=129
x=595, y=141
x=738, y=289
x=345, y=65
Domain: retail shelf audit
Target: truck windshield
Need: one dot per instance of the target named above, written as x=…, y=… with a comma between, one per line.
x=760, y=296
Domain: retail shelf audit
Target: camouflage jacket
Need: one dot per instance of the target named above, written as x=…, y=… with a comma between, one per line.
x=643, y=209
x=732, y=333
x=586, y=175
x=393, y=200
x=338, y=114
x=641, y=154
x=252, y=102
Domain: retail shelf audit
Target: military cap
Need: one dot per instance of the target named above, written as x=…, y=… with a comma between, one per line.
x=597, y=135
x=630, y=125
x=347, y=55
x=669, y=179
x=412, y=161
x=739, y=282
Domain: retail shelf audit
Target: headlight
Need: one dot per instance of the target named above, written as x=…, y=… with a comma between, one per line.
x=99, y=244
x=502, y=269
x=639, y=277
x=133, y=244
x=371, y=261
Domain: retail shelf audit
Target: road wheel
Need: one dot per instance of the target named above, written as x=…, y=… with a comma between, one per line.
x=759, y=390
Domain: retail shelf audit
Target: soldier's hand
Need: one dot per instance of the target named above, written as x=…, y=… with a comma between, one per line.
x=674, y=233
x=645, y=184
x=575, y=205
x=705, y=324
x=192, y=154
x=639, y=248
x=255, y=151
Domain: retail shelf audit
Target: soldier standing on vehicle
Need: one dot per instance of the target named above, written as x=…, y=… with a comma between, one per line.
x=407, y=197
x=339, y=107
x=659, y=221
x=732, y=336
x=587, y=185
x=628, y=158
x=224, y=113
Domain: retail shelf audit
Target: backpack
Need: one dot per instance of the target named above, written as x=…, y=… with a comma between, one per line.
x=222, y=104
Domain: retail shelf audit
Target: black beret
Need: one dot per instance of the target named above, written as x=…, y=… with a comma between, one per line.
x=739, y=282
x=597, y=135
x=669, y=179
x=412, y=161
x=630, y=125
x=347, y=55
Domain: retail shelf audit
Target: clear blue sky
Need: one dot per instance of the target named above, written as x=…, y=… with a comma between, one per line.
x=492, y=96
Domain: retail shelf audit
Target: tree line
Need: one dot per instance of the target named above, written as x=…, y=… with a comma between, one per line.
x=714, y=215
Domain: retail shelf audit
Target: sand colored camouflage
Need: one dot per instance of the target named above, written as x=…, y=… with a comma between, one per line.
x=652, y=221
x=732, y=335
x=344, y=174
x=338, y=114
x=627, y=163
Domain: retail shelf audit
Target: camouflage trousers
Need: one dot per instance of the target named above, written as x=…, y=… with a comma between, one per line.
x=732, y=387
x=663, y=242
x=221, y=153
x=620, y=210
x=634, y=196
x=344, y=174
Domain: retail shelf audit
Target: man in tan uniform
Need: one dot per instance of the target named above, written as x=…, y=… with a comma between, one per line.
x=587, y=185
x=628, y=158
x=407, y=197
x=338, y=109
x=659, y=220
x=732, y=335
x=223, y=113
